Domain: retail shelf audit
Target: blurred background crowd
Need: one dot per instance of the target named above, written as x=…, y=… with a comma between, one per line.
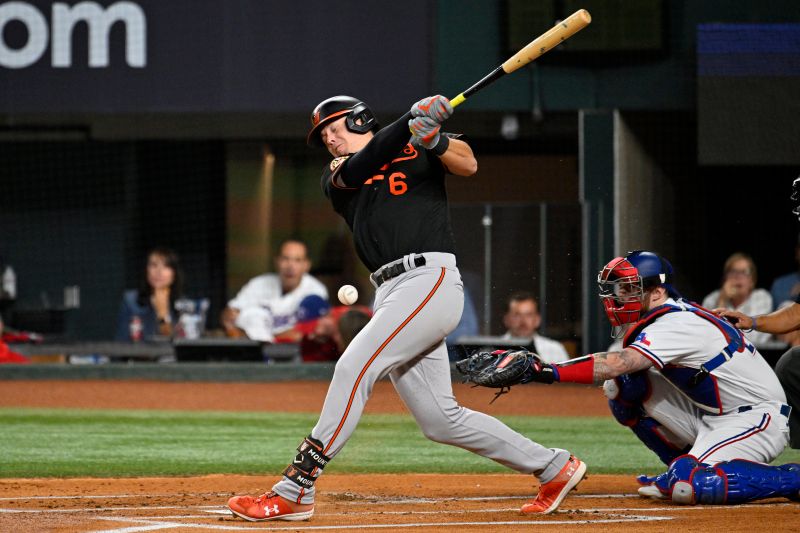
x=154, y=171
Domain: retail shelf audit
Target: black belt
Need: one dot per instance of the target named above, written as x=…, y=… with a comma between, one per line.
x=785, y=409
x=379, y=277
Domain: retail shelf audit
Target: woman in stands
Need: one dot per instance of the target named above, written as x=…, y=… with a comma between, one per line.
x=149, y=311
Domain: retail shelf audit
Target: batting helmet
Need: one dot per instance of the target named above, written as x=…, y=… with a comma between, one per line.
x=624, y=281
x=360, y=118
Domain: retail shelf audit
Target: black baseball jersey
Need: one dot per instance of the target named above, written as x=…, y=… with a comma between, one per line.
x=397, y=204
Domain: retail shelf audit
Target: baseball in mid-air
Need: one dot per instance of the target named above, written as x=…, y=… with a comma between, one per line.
x=348, y=294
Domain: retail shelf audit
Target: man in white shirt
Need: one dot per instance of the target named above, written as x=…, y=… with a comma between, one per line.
x=522, y=319
x=267, y=306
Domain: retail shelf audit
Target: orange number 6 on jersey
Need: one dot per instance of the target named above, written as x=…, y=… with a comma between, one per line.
x=396, y=185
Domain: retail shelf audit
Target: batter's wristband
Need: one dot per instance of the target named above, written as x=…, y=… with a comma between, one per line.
x=442, y=146
x=579, y=370
x=752, y=324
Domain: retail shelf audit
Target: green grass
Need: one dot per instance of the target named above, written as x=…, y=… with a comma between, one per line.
x=106, y=443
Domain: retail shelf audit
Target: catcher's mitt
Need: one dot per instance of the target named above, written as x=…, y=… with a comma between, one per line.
x=503, y=368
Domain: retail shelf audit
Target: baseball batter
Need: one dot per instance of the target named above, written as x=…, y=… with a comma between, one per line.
x=391, y=192
x=690, y=386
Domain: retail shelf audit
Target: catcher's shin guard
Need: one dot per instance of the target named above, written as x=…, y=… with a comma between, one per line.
x=679, y=470
x=738, y=481
x=651, y=434
x=307, y=464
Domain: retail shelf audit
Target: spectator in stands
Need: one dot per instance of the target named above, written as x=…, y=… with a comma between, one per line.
x=149, y=311
x=739, y=293
x=267, y=306
x=522, y=319
x=786, y=288
x=6, y=355
x=326, y=338
x=311, y=310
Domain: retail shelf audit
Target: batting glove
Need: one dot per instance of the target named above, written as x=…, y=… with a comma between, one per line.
x=425, y=132
x=436, y=107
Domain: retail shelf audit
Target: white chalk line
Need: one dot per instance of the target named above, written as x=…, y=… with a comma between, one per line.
x=217, y=509
x=111, y=496
x=368, y=500
x=154, y=523
x=361, y=501
x=149, y=525
x=142, y=524
x=87, y=509
x=611, y=510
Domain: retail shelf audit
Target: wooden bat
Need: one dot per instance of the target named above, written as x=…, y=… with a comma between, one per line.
x=546, y=41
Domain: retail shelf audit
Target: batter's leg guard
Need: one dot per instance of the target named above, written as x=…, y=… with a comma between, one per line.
x=738, y=481
x=307, y=464
x=626, y=394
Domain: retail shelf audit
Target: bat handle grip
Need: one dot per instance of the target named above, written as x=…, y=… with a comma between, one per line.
x=458, y=100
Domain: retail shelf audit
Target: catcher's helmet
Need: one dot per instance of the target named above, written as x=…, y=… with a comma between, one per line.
x=360, y=118
x=624, y=281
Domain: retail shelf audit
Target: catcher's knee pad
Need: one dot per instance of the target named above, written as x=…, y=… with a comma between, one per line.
x=739, y=481
x=626, y=394
x=307, y=464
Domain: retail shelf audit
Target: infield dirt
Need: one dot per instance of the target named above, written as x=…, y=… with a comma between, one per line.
x=385, y=502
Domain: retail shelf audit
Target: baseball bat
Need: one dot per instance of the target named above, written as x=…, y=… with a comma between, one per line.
x=546, y=41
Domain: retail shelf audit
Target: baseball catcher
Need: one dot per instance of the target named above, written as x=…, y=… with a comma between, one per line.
x=689, y=385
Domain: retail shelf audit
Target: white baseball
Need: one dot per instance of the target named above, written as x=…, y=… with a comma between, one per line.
x=348, y=294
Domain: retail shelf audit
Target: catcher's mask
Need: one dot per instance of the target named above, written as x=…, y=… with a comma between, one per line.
x=625, y=282
x=359, y=117
x=796, y=197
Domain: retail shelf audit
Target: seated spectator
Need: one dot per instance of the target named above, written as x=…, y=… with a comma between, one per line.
x=266, y=307
x=522, y=319
x=326, y=338
x=6, y=355
x=150, y=311
x=786, y=288
x=311, y=310
x=739, y=293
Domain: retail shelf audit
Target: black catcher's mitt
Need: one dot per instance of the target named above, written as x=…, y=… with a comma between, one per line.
x=503, y=368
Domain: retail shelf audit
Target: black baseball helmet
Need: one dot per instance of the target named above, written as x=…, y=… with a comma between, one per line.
x=360, y=118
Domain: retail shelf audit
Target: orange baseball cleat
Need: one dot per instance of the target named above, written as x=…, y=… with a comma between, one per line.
x=269, y=506
x=552, y=493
